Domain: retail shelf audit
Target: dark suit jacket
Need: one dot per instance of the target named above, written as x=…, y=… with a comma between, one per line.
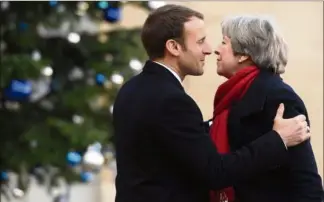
x=297, y=180
x=163, y=152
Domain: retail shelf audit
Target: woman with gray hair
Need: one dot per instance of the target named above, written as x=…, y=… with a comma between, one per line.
x=252, y=56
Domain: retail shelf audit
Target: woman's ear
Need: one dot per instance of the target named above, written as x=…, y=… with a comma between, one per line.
x=243, y=58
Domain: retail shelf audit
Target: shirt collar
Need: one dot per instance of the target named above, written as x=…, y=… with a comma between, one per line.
x=173, y=72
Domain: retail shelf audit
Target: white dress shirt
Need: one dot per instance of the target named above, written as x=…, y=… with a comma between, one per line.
x=173, y=72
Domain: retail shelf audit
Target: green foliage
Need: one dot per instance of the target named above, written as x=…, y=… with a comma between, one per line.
x=40, y=133
x=11, y=67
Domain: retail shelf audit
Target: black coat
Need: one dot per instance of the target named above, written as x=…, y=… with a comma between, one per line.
x=164, y=153
x=297, y=180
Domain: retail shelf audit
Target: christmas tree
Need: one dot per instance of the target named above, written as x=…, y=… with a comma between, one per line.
x=59, y=79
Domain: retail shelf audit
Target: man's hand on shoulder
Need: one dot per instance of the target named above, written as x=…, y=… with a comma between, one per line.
x=292, y=131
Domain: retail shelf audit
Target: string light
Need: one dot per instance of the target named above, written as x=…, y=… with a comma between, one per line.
x=74, y=37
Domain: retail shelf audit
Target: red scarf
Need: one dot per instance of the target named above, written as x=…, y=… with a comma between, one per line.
x=230, y=91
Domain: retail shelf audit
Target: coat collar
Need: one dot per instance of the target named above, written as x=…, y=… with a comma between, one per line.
x=255, y=97
x=155, y=68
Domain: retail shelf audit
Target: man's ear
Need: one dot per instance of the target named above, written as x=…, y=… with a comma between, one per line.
x=173, y=47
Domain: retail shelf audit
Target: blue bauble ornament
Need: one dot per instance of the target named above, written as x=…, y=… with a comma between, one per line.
x=103, y=4
x=4, y=176
x=112, y=14
x=86, y=176
x=100, y=79
x=73, y=158
x=18, y=90
x=22, y=26
x=53, y=3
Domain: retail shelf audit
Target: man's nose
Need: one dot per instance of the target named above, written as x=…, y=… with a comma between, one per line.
x=208, y=50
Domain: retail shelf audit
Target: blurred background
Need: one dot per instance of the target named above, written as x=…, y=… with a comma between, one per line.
x=62, y=64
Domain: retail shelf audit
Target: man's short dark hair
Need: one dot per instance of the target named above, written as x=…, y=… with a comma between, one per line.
x=166, y=22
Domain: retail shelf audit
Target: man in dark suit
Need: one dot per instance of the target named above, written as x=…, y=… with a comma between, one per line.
x=163, y=151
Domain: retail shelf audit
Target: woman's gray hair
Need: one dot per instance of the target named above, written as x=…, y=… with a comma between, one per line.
x=257, y=37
